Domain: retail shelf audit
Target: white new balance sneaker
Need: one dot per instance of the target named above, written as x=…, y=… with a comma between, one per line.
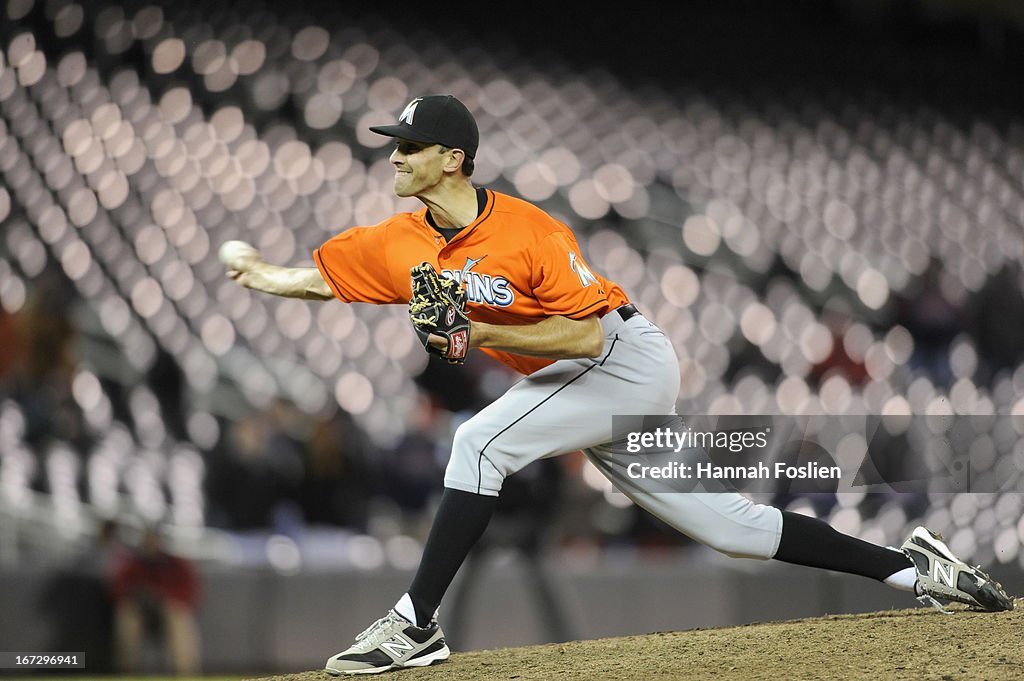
x=392, y=642
x=940, y=574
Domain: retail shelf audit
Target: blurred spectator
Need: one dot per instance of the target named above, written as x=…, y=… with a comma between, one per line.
x=839, y=362
x=931, y=315
x=412, y=473
x=41, y=380
x=258, y=476
x=524, y=522
x=997, y=323
x=338, y=481
x=78, y=601
x=107, y=552
x=10, y=342
x=453, y=388
x=155, y=595
x=168, y=383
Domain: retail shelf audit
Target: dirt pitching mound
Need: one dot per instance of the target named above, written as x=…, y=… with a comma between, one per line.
x=920, y=643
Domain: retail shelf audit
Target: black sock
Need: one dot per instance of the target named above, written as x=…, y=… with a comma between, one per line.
x=814, y=543
x=460, y=521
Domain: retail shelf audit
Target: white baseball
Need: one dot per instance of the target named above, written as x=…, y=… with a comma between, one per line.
x=237, y=254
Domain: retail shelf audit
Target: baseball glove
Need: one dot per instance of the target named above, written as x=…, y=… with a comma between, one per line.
x=438, y=306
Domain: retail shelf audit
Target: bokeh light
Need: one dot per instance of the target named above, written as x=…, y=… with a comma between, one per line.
x=787, y=250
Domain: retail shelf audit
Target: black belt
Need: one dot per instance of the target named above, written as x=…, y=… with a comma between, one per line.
x=627, y=311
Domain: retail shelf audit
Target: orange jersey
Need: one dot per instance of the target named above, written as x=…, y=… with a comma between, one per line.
x=517, y=263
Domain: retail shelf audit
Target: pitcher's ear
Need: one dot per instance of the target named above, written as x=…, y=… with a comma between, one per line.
x=455, y=159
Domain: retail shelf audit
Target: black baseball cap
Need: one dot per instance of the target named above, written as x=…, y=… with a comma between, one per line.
x=436, y=119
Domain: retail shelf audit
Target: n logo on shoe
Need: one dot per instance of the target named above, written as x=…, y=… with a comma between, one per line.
x=397, y=645
x=943, y=574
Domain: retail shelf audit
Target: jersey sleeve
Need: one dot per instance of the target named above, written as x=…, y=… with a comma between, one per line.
x=354, y=265
x=563, y=283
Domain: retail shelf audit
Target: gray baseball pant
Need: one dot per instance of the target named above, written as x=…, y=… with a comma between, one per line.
x=569, y=405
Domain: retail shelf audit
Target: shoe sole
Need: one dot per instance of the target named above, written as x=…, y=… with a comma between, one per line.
x=991, y=596
x=433, y=658
x=988, y=594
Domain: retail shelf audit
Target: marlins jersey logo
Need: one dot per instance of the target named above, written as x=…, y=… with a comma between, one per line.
x=582, y=271
x=482, y=288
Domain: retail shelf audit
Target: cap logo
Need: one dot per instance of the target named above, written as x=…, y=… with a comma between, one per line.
x=410, y=111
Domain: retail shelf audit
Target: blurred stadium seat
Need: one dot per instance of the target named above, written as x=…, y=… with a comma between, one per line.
x=803, y=248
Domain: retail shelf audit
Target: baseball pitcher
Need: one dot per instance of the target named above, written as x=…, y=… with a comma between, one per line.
x=483, y=270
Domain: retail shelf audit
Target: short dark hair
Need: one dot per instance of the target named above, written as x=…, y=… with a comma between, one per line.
x=468, y=166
